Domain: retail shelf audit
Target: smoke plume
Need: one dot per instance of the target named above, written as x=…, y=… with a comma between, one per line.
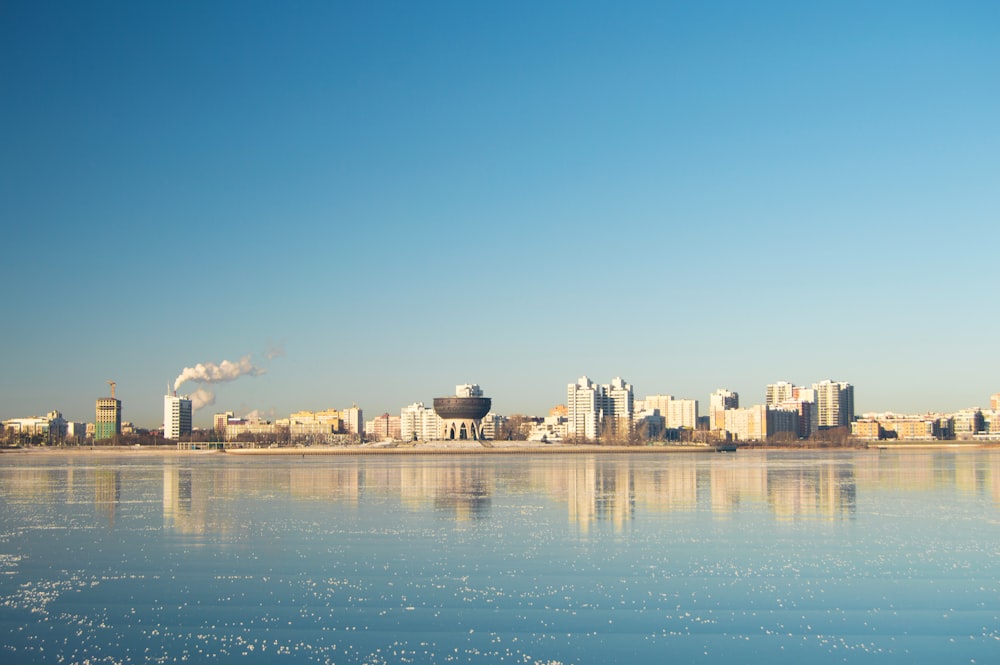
x=201, y=398
x=224, y=371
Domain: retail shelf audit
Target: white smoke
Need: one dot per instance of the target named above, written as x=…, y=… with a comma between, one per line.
x=201, y=398
x=224, y=371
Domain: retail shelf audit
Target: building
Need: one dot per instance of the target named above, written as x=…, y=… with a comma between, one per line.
x=354, y=420
x=779, y=392
x=967, y=423
x=52, y=428
x=76, y=432
x=108, y=421
x=176, y=417
x=492, y=426
x=806, y=410
x=315, y=424
x=462, y=415
x=876, y=426
x=758, y=422
x=220, y=421
x=594, y=411
x=995, y=402
x=584, y=409
x=867, y=428
x=991, y=424
x=383, y=428
x=649, y=425
x=718, y=403
x=252, y=427
x=677, y=413
x=619, y=405
x=419, y=423
x=748, y=423
x=834, y=404
x=552, y=429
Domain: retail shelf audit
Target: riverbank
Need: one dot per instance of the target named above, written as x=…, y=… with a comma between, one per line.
x=424, y=448
x=475, y=448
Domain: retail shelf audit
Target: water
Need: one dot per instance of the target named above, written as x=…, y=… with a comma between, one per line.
x=751, y=558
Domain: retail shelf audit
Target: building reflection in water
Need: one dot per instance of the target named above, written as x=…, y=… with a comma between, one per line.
x=609, y=489
x=595, y=488
x=107, y=491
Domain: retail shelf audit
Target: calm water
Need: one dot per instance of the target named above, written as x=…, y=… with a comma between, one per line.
x=771, y=558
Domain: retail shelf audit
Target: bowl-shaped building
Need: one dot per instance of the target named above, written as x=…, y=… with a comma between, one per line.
x=462, y=416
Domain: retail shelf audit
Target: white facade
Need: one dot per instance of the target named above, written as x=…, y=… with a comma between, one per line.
x=779, y=392
x=747, y=424
x=419, y=423
x=723, y=399
x=677, y=413
x=491, y=426
x=551, y=430
x=834, y=403
x=588, y=404
x=584, y=403
x=619, y=403
x=176, y=417
x=53, y=425
x=354, y=420
x=468, y=390
x=718, y=402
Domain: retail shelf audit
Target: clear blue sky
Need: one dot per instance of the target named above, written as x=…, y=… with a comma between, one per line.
x=405, y=196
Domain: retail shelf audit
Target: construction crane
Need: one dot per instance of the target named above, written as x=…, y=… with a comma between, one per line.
x=112, y=384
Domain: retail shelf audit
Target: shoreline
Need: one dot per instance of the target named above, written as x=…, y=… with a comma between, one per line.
x=463, y=448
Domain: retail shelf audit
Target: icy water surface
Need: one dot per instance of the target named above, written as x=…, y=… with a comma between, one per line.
x=813, y=558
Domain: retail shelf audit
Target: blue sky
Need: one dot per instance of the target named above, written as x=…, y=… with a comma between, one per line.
x=400, y=197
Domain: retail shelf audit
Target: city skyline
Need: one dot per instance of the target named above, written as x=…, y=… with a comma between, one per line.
x=376, y=202
x=114, y=411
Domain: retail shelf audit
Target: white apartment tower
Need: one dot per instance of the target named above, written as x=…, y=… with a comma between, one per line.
x=588, y=404
x=419, y=423
x=779, y=392
x=176, y=417
x=584, y=408
x=834, y=404
x=619, y=401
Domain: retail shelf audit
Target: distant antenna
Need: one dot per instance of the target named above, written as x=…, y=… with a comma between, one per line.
x=112, y=384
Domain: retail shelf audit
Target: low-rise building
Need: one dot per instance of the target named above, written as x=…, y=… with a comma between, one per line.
x=51, y=427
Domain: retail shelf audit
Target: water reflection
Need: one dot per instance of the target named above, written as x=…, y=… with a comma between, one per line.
x=107, y=492
x=609, y=489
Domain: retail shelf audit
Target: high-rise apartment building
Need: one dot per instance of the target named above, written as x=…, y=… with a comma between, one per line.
x=419, y=423
x=176, y=417
x=591, y=407
x=108, y=420
x=354, y=420
x=779, y=392
x=834, y=404
x=584, y=404
x=677, y=413
x=619, y=404
x=995, y=402
x=718, y=403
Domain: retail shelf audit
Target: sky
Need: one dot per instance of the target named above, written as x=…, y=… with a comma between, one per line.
x=377, y=201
